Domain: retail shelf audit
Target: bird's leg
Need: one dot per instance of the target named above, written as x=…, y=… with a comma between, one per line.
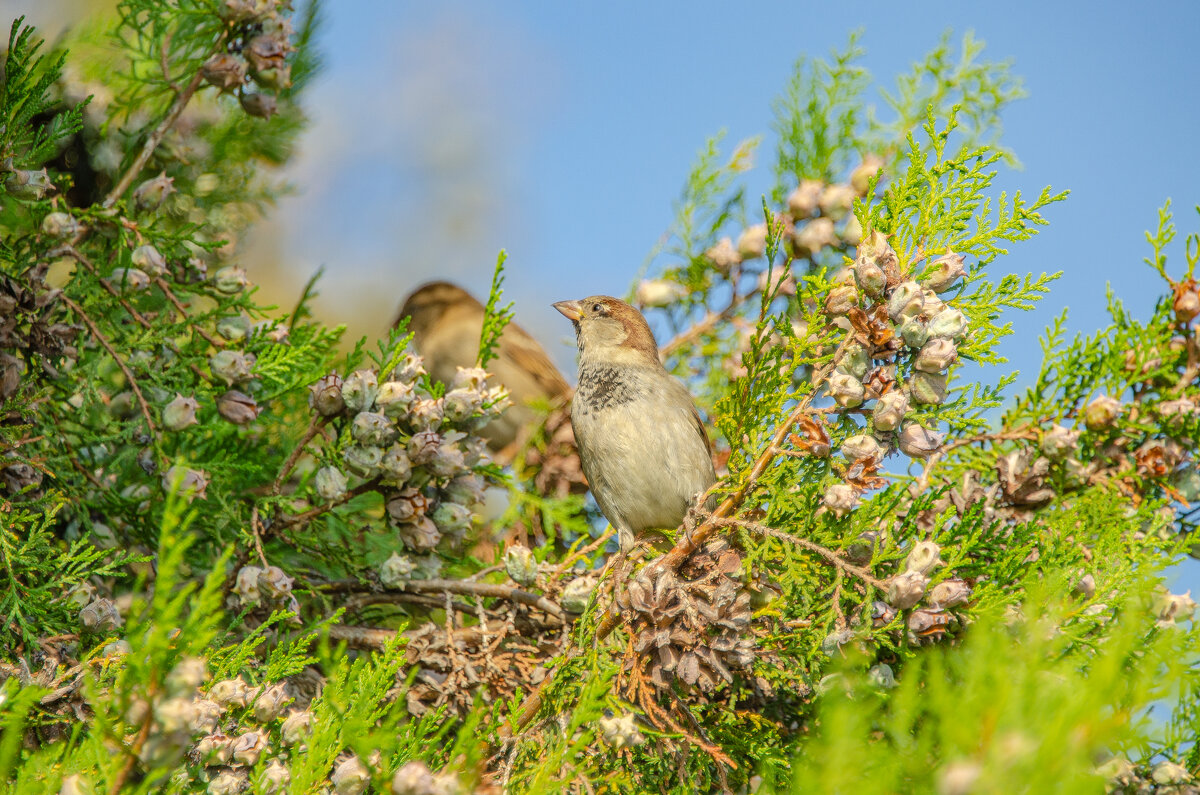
x=620, y=563
x=697, y=512
x=626, y=539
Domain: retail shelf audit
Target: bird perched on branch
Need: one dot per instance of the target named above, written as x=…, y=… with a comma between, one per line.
x=644, y=449
x=446, y=322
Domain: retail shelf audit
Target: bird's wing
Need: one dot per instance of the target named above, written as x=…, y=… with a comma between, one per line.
x=525, y=353
x=699, y=425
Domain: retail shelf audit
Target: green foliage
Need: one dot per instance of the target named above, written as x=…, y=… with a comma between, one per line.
x=819, y=117
x=24, y=99
x=246, y=599
x=710, y=199
x=1016, y=704
x=495, y=317
x=39, y=573
x=353, y=711
x=974, y=91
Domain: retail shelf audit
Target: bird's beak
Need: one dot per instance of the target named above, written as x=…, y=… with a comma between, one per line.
x=572, y=310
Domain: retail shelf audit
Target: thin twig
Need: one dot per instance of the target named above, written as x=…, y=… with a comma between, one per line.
x=391, y=597
x=79, y=257
x=135, y=748
x=485, y=589
x=368, y=637
x=1024, y=432
x=448, y=625
x=705, y=324
x=163, y=64
x=314, y=427
x=255, y=523
x=181, y=100
x=372, y=638
x=162, y=284
x=1192, y=368
x=300, y=518
x=690, y=542
x=133, y=384
x=483, y=573
x=600, y=541
x=828, y=554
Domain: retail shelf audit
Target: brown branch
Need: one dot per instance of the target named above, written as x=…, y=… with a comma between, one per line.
x=173, y=113
x=255, y=524
x=133, y=384
x=391, y=597
x=366, y=637
x=485, y=589
x=703, y=325
x=602, y=539
x=690, y=542
x=311, y=513
x=828, y=554
x=340, y=586
x=483, y=573
x=1192, y=368
x=463, y=587
x=163, y=63
x=79, y=257
x=81, y=469
x=58, y=689
x=314, y=427
x=135, y=748
x=372, y=638
x=162, y=284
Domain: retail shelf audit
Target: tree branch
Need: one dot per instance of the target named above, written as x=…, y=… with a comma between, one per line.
x=162, y=284
x=486, y=589
x=133, y=384
x=181, y=100
x=314, y=427
x=299, y=518
x=79, y=257
x=828, y=554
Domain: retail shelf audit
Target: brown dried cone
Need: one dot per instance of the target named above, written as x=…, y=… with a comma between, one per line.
x=1023, y=478
x=31, y=324
x=495, y=660
x=694, y=627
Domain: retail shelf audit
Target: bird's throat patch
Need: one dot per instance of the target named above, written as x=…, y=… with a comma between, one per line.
x=602, y=387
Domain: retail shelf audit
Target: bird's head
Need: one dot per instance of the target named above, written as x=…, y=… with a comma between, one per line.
x=610, y=330
x=432, y=301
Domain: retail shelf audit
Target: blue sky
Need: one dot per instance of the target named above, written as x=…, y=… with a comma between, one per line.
x=562, y=132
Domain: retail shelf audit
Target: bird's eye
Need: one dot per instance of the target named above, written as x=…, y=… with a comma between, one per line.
x=596, y=307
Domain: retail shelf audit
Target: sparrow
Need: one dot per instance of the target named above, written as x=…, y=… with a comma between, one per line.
x=642, y=444
x=446, y=322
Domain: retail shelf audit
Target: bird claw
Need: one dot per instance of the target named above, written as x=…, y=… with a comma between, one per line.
x=696, y=515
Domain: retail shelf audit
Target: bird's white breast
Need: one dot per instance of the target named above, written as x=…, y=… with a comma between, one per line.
x=642, y=451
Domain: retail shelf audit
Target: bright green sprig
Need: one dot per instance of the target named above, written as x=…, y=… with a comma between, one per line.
x=25, y=83
x=495, y=317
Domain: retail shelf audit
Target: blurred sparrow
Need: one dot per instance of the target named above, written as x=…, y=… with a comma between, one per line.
x=446, y=322
x=644, y=449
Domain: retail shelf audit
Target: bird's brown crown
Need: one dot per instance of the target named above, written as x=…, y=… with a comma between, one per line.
x=608, y=327
x=430, y=301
